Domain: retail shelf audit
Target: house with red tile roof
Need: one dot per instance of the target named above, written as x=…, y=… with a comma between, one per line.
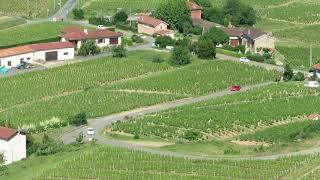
x=102, y=37
x=12, y=145
x=51, y=51
x=314, y=116
x=150, y=25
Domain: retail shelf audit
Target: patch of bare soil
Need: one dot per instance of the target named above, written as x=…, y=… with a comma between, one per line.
x=3, y=17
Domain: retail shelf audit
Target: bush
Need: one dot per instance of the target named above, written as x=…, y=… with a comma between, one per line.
x=99, y=21
x=196, y=30
x=228, y=47
x=48, y=146
x=136, y=39
x=205, y=49
x=80, y=138
x=157, y=59
x=119, y=51
x=180, y=56
x=192, y=135
x=31, y=145
x=79, y=119
x=256, y=57
x=288, y=73
x=240, y=48
x=136, y=136
x=186, y=42
x=267, y=55
x=269, y=61
x=127, y=41
x=89, y=48
x=78, y=14
x=120, y=17
x=298, y=77
x=163, y=41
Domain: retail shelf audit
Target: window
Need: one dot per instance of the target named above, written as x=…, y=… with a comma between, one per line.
x=9, y=63
x=28, y=58
x=101, y=41
x=66, y=53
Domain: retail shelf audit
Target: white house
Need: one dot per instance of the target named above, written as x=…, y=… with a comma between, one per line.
x=102, y=37
x=12, y=145
x=52, y=51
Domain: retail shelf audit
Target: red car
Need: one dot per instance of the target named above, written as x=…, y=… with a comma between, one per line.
x=235, y=88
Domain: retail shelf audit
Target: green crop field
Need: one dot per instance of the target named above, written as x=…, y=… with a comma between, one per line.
x=10, y=22
x=42, y=32
x=103, y=162
x=235, y=113
x=93, y=87
x=29, y=8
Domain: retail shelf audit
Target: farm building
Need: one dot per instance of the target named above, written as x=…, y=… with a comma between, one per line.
x=314, y=116
x=52, y=51
x=252, y=38
x=196, y=10
x=12, y=145
x=149, y=25
x=102, y=37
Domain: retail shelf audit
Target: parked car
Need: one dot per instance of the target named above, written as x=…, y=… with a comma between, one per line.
x=244, y=59
x=312, y=84
x=235, y=88
x=101, y=27
x=23, y=65
x=90, y=131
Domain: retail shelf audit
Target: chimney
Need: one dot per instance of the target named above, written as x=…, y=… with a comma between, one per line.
x=85, y=31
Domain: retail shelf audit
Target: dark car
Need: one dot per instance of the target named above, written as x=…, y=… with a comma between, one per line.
x=235, y=88
x=23, y=65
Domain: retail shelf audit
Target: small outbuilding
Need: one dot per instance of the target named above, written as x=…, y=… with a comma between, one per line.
x=12, y=145
x=314, y=116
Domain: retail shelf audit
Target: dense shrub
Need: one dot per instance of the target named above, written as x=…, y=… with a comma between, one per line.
x=78, y=119
x=89, y=48
x=78, y=13
x=99, y=21
x=267, y=55
x=119, y=51
x=205, y=49
x=192, y=135
x=127, y=41
x=48, y=146
x=180, y=55
x=288, y=73
x=120, y=17
x=298, y=77
x=256, y=57
x=137, y=39
x=163, y=41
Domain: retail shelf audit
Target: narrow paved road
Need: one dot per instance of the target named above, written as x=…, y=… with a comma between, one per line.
x=64, y=11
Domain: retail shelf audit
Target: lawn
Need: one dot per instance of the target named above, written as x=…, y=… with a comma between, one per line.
x=235, y=113
x=29, y=8
x=103, y=162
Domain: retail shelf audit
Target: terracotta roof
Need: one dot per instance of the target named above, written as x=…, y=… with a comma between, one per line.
x=253, y=33
x=313, y=116
x=150, y=21
x=233, y=31
x=91, y=34
x=15, y=51
x=316, y=66
x=7, y=133
x=51, y=46
x=193, y=6
x=70, y=29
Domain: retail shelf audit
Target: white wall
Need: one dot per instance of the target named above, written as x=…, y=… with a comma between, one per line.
x=16, y=60
x=41, y=55
x=15, y=149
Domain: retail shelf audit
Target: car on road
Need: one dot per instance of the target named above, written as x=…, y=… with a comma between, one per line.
x=235, y=88
x=244, y=59
x=23, y=65
x=90, y=131
x=101, y=27
x=312, y=84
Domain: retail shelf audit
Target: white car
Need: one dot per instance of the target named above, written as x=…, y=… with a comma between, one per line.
x=102, y=27
x=312, y=84
x=90, y=131
x=244, y=59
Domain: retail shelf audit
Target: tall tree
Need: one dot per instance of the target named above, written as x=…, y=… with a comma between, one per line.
x=180, y=56
x=175, y=13
x=205, y=49
x=204, y=3
x=238, y=13
x=217, y=36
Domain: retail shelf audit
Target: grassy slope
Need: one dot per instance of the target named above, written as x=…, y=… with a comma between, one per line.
x=10, y=22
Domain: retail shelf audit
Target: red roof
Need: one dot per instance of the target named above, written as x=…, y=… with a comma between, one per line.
x=51, y=46
x=90, y=34
x=70, y=29
x=15, y=51
x=148, y=20
x=7, y=133
x=313, y=116
x=233, y=31
x=193, y=6
x=316, y=66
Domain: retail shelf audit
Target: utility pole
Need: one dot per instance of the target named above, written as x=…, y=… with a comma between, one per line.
x=311, y=55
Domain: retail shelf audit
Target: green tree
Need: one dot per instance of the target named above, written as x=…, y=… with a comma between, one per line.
x=163, y=41
x=238, y=13
x=78, y=119
x=48, y=146
x=175, y=13
x=205, y=49
x=204, y=3
x=288, y=73
x=120, y=17
x=213, y=15
x=89, y=48
x=217, y=36
x=119, y=51
x=180, y=56
x=78, y=13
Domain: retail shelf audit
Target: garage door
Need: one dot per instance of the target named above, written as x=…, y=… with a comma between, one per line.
x=52, y=56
